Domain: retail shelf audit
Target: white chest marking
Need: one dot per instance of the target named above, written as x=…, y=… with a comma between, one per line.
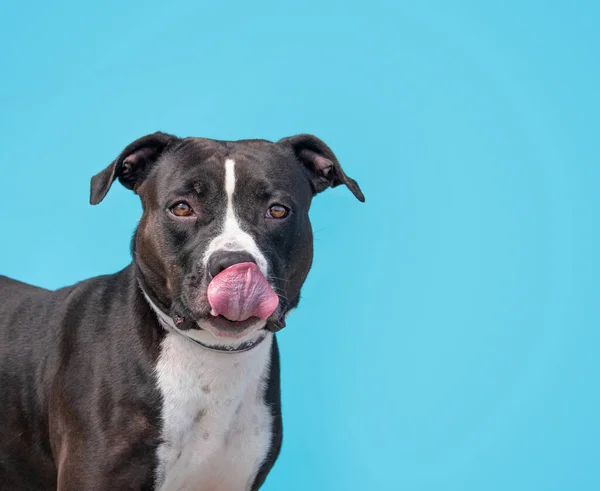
x=216, y=426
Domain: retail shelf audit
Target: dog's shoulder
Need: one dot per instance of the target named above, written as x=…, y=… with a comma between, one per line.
x=17, y=299
x=9, y=286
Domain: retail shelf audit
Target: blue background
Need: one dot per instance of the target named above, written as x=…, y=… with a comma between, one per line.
x=448, y=334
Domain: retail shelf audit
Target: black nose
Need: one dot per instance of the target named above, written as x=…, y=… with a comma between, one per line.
x=221, y=260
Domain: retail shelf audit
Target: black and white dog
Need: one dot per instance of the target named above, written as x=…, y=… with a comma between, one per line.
x=165, y=375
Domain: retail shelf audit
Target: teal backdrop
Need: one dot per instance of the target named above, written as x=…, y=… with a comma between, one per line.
x=448, y=336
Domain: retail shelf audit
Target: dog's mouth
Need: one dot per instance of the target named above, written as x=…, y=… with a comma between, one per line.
x=221, y=327
x=241, y=292
x=237, y=302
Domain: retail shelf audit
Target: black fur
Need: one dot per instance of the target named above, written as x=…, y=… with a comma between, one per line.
x=79, y=405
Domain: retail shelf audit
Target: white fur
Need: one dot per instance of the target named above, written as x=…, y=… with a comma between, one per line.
x=232, y=237
x=216, y=427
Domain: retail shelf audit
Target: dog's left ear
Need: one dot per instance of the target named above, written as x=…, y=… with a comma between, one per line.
x=321, y=163
x=132, y=165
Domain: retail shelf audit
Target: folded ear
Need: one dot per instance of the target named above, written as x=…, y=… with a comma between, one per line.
x=321, y=163
x=132, y=165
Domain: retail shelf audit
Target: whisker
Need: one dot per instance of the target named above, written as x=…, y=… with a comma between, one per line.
x=279, y=290
x=278, y=278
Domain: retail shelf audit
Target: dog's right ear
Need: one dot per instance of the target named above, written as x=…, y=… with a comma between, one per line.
x=132, y=165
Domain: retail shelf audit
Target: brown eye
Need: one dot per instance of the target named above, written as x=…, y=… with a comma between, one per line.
x=277, y=211
x=181, y=209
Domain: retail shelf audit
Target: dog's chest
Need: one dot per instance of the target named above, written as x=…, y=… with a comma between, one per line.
x=216, y=426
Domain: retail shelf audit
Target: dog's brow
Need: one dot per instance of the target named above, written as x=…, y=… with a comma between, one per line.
x=261, y=189
x=186, y=190
x=200, y=187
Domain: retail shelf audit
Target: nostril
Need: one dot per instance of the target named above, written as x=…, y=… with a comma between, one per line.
x=220, y=261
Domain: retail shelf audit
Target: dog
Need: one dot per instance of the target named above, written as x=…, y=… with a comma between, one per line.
x=165, y=375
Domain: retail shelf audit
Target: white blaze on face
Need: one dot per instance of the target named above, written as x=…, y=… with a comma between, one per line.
x=232, y=237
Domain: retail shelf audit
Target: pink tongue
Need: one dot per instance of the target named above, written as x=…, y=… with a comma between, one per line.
x=240, y=292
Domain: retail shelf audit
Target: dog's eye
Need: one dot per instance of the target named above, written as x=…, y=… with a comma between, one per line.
x=277, y=211
x=181, y=209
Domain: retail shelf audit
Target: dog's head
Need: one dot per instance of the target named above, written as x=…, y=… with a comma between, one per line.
x=224, y=243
